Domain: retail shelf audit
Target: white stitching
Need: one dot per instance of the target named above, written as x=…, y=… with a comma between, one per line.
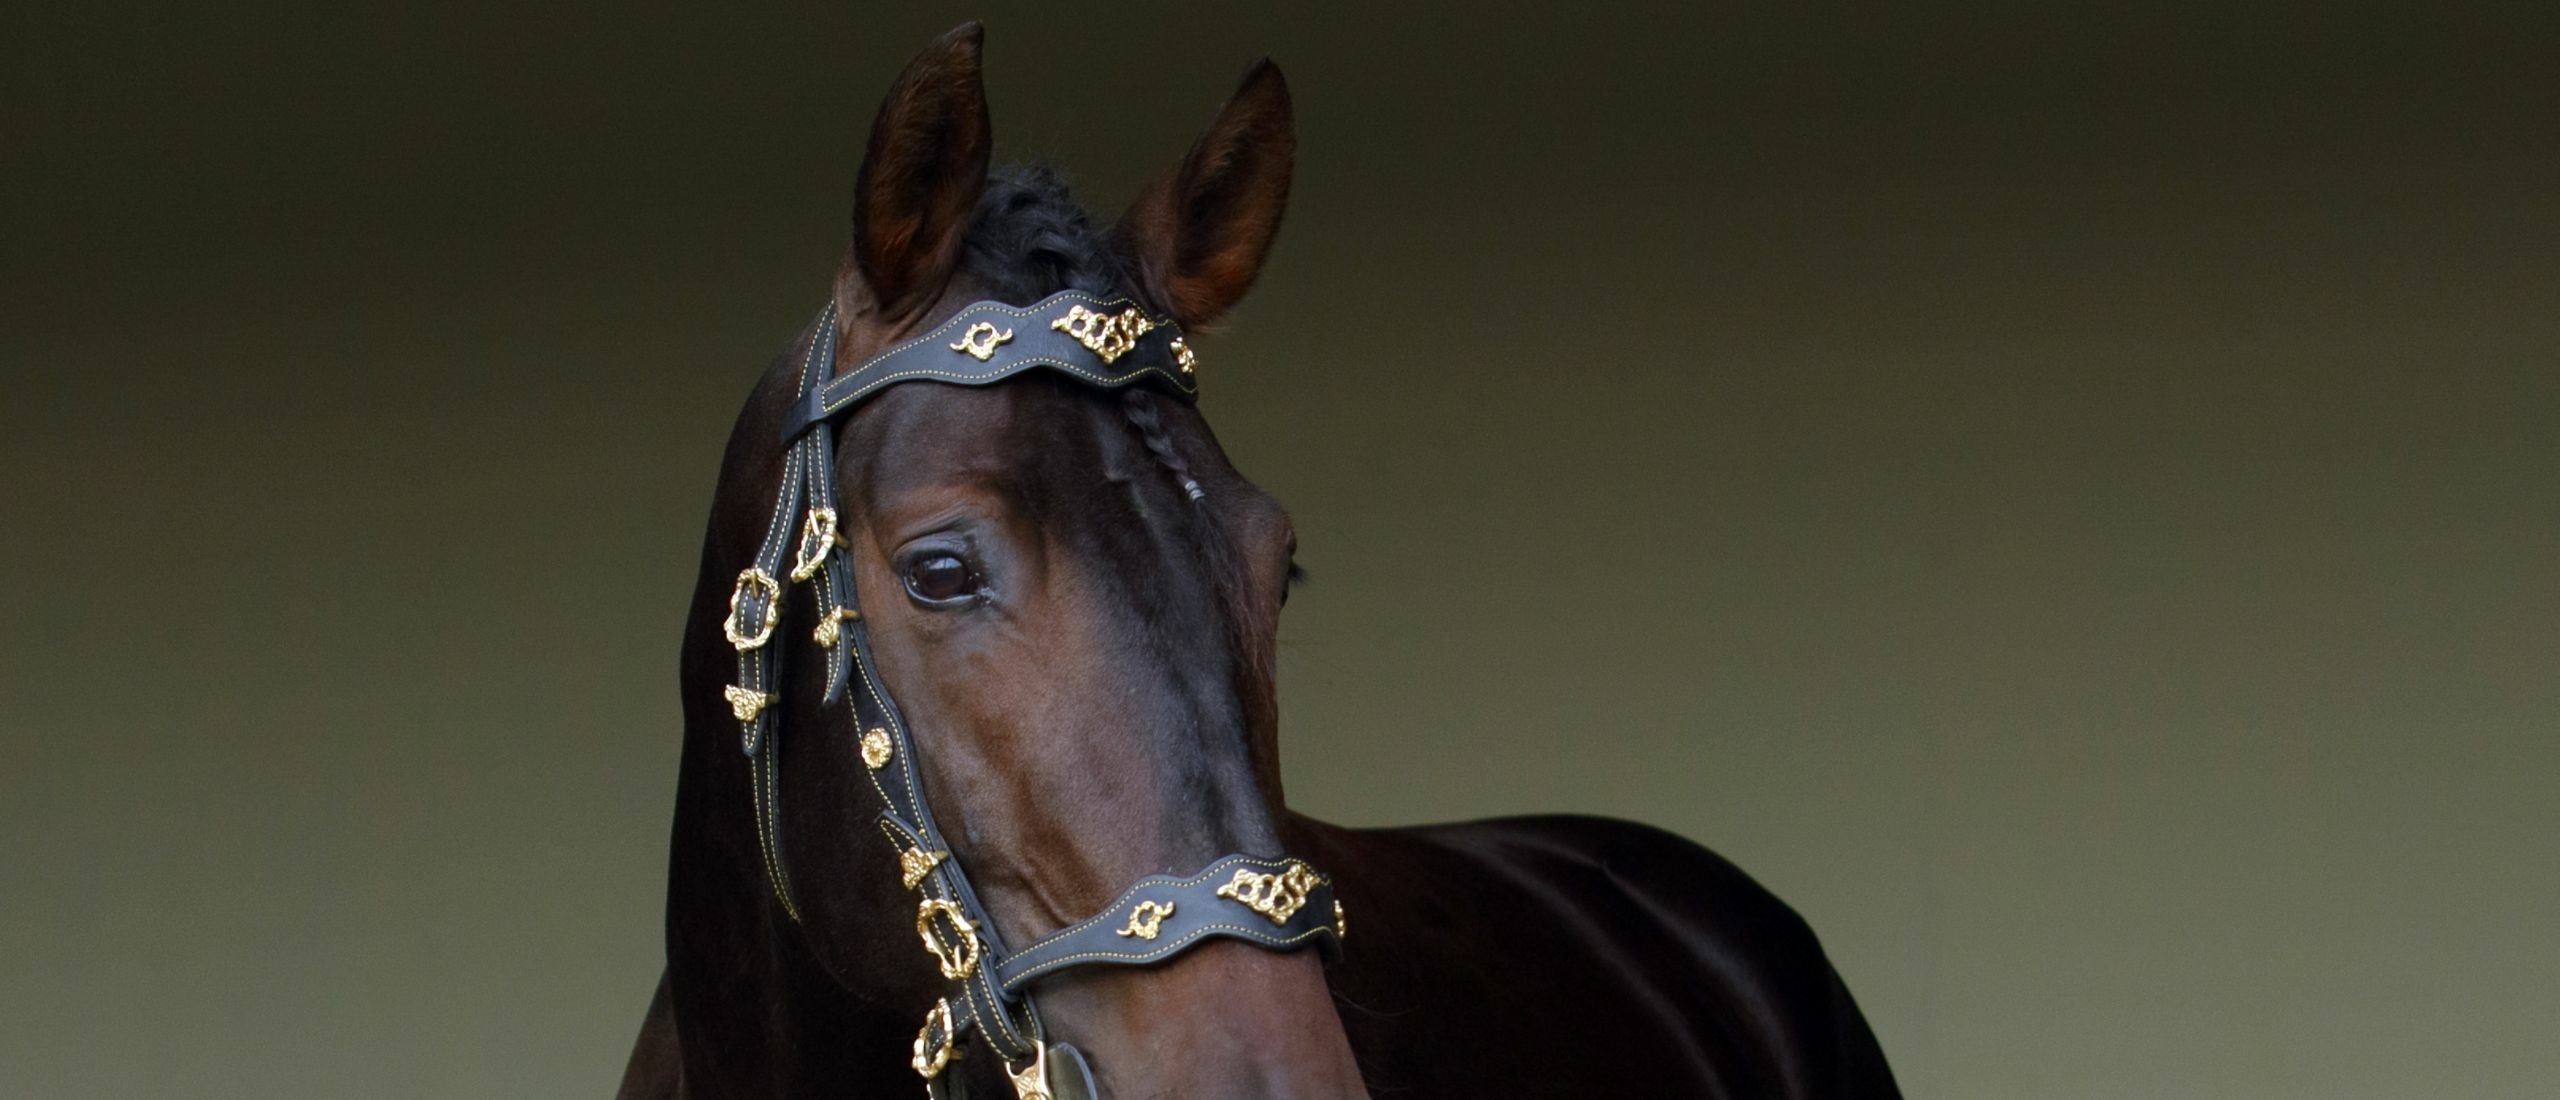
x=1013, y=311
x=853, y=397
x=1151, y=882
x=1169, y=949
x=831, y=404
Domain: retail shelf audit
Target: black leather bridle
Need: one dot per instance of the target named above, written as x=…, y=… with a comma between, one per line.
x=1276, y=903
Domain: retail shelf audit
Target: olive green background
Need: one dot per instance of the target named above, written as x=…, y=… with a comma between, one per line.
x=2070, y=501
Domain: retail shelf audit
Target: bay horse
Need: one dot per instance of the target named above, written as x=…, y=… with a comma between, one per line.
x=978, y=566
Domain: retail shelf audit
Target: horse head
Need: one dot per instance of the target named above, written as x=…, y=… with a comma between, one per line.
x=1055, y=601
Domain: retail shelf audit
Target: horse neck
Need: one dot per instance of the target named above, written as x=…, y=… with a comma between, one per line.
x=755, y=1008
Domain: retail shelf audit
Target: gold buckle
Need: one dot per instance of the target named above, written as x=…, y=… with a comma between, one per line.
x=931, y=1065
x=960, y=959
x=817, y=537
x=759, y=582
x=1032, y=1083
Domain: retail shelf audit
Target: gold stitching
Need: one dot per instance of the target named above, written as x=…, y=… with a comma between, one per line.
x=1171, y=948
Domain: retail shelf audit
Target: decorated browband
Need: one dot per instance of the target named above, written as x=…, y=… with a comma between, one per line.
x=990, y=341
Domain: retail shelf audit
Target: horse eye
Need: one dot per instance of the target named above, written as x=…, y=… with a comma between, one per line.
x=940, y=579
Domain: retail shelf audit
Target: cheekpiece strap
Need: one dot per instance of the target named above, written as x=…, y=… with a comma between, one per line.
x=755, y=610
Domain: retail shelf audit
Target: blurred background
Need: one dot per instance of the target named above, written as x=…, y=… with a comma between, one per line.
x=2071, y=501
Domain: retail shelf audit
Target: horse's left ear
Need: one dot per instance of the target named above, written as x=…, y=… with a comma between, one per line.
x=1199, y=236
x=921, y=177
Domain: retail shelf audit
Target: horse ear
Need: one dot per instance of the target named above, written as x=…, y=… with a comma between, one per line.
x=1198, y=237
x=921, y=177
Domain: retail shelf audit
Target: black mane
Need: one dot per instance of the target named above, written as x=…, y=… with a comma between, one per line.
x=1030, y=239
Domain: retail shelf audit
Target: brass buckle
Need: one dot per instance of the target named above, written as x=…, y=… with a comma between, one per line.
x=759, y=583
x=816, y=538
x=960, y=959
x=1031, y=1083
x=932, y=1057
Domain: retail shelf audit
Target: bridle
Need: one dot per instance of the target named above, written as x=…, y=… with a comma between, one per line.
x=1276, y=903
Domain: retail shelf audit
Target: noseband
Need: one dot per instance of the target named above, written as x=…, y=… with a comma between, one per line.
x=1279, y=904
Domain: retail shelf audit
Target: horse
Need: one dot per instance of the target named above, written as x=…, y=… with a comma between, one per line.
x=977, y=564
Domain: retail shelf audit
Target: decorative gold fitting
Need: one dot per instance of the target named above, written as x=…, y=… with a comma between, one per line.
x=830, y=630
x=816, y=538
x=1032, y=1082
x=758, y=583
x=1277, y=896
x=1341, y=925
x=1182, y=355
x=875, y=748
x=960, y=958
x=933, y=1056
x=1105, y=334
x=1147, y=920
x=915, y=863
x=981, y=340
x=746, y=702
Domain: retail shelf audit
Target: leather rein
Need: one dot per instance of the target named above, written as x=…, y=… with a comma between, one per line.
x=1279, y=904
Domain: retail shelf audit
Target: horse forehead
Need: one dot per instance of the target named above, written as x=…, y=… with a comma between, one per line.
x=924, y=434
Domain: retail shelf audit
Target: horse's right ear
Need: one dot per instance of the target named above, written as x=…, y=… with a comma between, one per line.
x=1198, y=237
x=920, y=180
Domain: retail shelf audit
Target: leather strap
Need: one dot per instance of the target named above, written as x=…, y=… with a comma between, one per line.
x=1016, y=339
x=1279, y=904
x=755, y=613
